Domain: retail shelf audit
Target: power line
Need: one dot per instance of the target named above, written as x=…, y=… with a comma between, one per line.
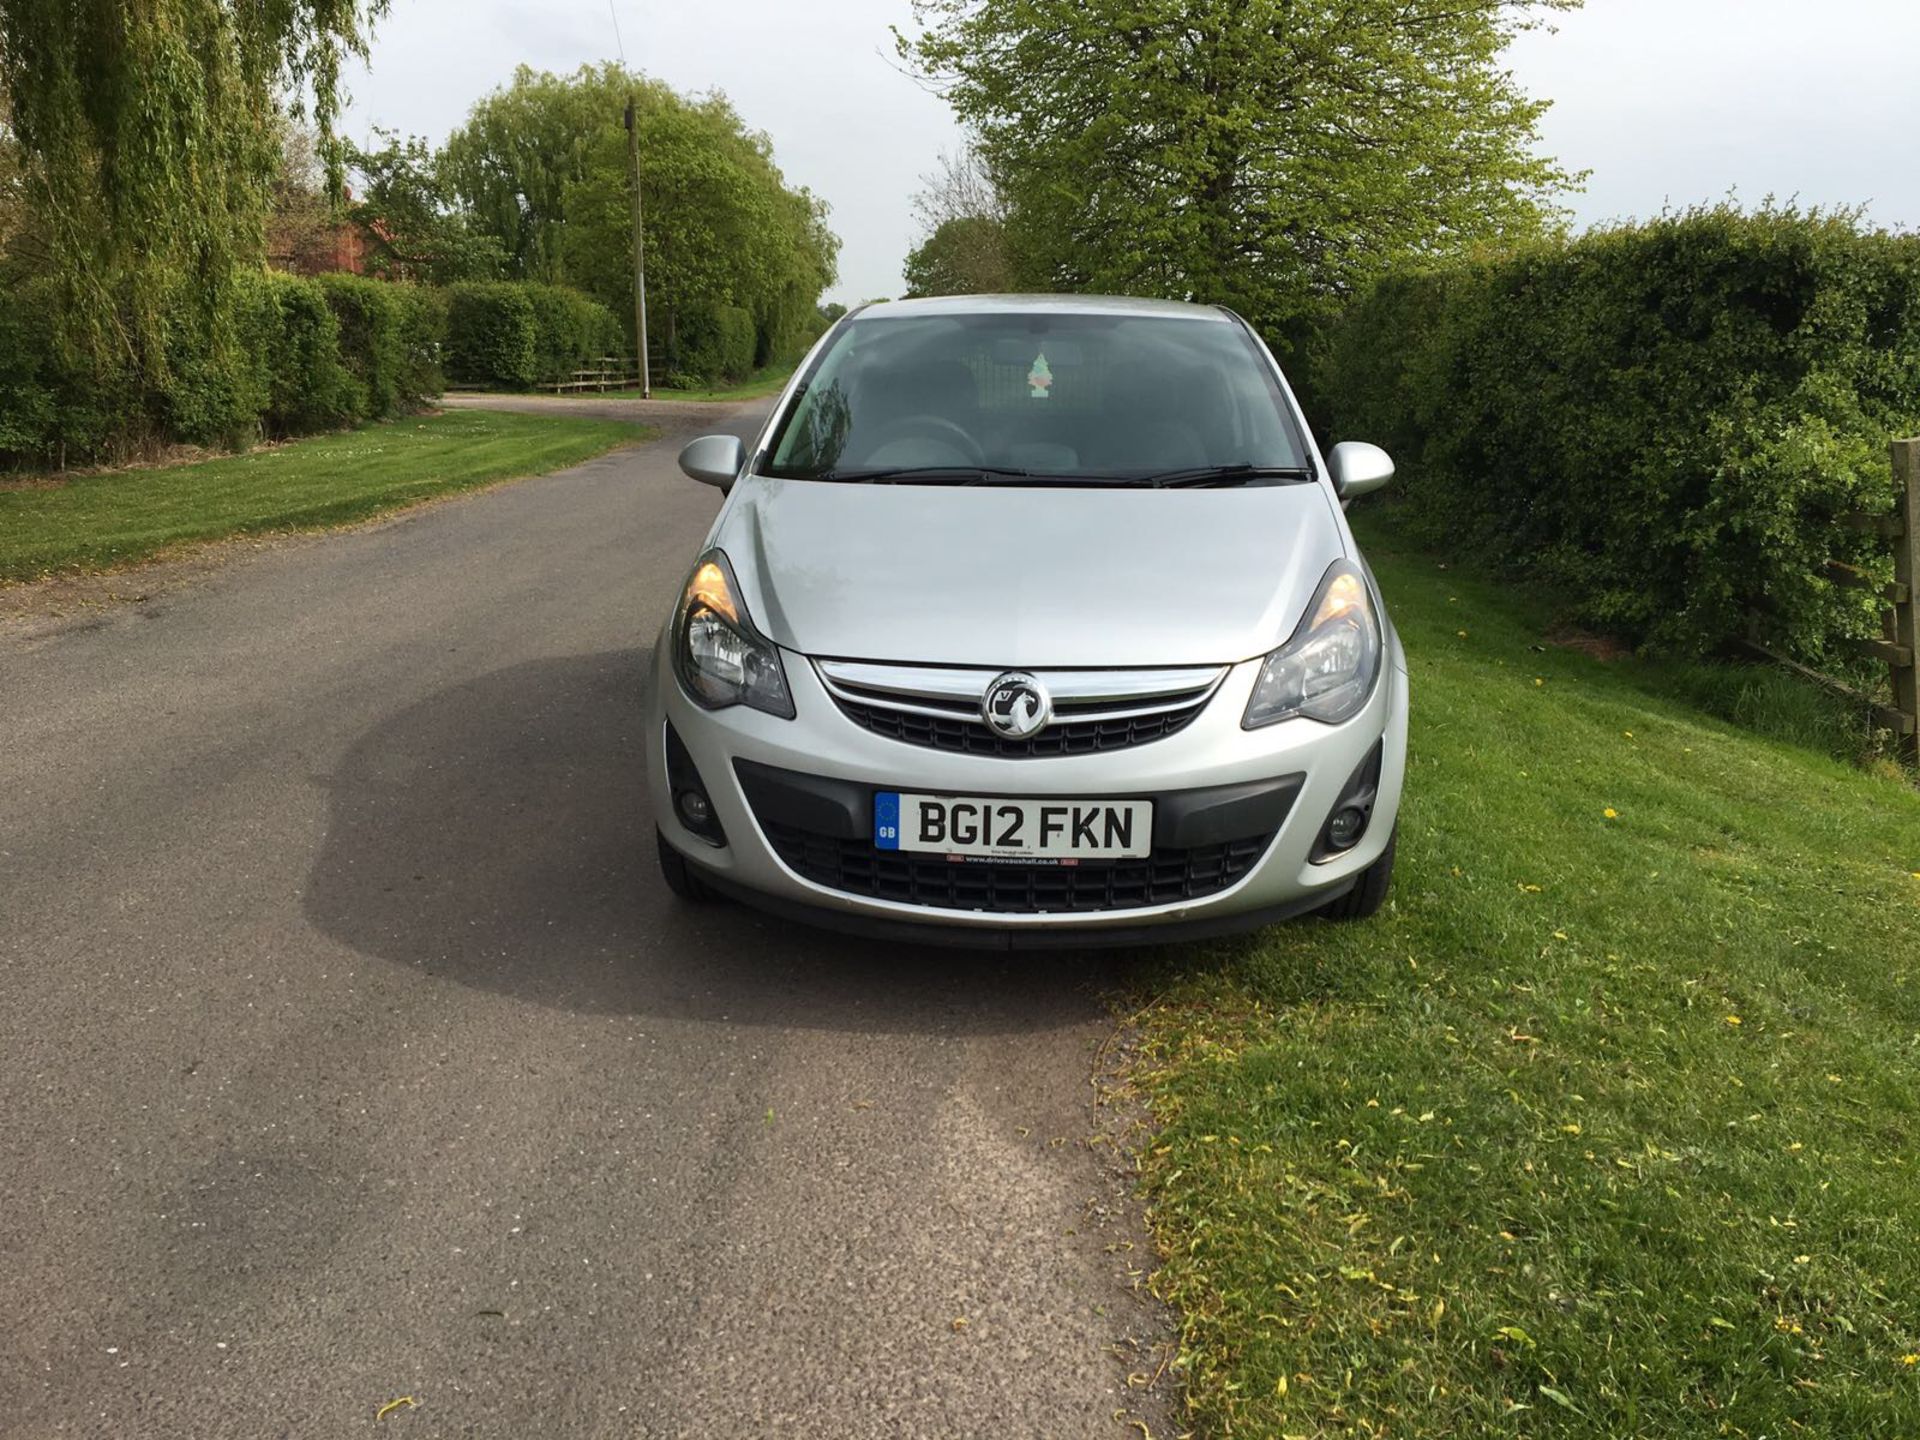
x=617, y=43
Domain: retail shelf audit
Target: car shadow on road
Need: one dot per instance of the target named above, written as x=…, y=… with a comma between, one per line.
x=496, y=835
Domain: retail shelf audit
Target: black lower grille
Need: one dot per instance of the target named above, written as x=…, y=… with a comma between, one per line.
x=1063, y=737
x=1168, y=876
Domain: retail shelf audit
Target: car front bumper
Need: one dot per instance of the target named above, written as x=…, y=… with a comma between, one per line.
x=1210, y=762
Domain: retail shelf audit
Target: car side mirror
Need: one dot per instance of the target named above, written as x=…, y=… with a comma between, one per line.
x=717, y=460
x=1358, y=469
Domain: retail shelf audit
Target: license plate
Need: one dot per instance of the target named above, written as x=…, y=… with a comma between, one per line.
x=1014, y=829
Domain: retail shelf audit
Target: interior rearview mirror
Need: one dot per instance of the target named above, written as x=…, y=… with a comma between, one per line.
x=1358, y=468
x=717, y=460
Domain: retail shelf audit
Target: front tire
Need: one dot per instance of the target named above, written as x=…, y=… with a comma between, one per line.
x=681, y=878
x=1369, y=892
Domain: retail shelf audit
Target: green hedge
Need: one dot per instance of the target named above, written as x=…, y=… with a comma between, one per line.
x=570, y=330
x=715, y=343
x=423, y=340
x=490, y=339
x=513, y=336
x=1659, y=421
x=56, y=408
x=372, y=345
x=27, y=404
x=295, y=355
x=297, y=341
x=292, y=355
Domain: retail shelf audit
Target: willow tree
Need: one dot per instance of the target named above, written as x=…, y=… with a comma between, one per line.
x=542, y=164
x=148, y=141
x=1267, y=153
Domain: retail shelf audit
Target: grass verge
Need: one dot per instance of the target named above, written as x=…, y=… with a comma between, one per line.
x=97, y=521
x=1606, y=1127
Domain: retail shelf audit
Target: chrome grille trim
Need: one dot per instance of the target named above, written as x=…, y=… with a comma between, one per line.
x=1077, y=694
x=967, y=685
x=1083, y=702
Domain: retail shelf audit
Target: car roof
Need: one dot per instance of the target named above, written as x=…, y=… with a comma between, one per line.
x=1040, y=305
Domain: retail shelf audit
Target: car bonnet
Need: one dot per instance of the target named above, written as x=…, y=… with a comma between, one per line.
x=1023, y=577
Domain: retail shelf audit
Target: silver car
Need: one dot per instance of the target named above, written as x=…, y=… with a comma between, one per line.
x=1032, y=620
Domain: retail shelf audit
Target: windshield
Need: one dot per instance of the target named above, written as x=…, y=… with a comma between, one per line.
x=1074, y=396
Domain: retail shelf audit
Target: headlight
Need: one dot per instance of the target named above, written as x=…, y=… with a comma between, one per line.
x=720, y=658
x=1327, y=670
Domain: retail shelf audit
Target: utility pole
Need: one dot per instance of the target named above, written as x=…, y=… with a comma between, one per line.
x=639, y=256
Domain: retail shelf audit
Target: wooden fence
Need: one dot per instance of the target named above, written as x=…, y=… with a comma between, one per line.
x=1899, y=645
x=605, y=372
x=609, y=372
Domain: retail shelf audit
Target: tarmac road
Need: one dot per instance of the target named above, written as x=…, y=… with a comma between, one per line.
x=351, y=1048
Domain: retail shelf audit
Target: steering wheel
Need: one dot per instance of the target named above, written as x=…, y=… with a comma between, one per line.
x=932, y=427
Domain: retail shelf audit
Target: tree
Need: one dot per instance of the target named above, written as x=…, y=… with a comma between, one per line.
x=960, y=188
x=15, y=218
x=543, y=165
x=712, y=225
x=521, y=147
x=148, y=146
x=963, y=246
x=301, y=215
x=964, y=256
x=407, y=207
x=1270, y=154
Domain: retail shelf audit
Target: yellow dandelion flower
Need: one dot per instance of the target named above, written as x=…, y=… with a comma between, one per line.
x=1611, y=813
x=1733, y=1019
x=1538, y=681
x=1910, y=1360
x=1803, y=1259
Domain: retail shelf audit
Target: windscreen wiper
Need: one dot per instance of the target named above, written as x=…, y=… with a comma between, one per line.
x=926, y=475
x=1201, y=476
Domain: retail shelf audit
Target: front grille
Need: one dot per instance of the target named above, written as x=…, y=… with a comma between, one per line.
x=1168, y=876
x=1093, y=710
x=1063, y=737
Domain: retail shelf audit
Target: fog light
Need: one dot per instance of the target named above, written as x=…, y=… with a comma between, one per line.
x=691, y=802
x=1346, y=827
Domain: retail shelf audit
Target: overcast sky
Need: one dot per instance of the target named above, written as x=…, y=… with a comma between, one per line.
x=1667, y=102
